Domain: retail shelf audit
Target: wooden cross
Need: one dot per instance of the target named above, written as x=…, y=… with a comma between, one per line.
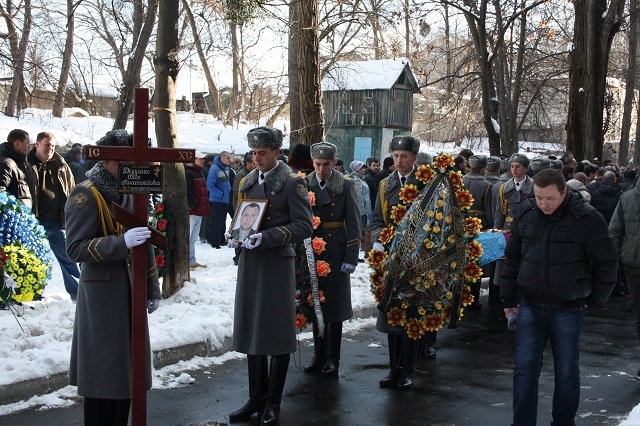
x=139, y=153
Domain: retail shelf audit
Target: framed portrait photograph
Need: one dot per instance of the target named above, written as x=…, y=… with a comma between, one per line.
x=248, y=217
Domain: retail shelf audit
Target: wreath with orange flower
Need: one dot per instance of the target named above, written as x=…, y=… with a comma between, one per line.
x=304, y=300
x=423, y=302
x=163, y=222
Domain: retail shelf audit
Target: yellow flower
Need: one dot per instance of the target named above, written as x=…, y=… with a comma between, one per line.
x=438, y=305
x=430, y=213
x=449, y=295
x=435, y=229
x=422, y=311
x=439, y=216
x=448, y=220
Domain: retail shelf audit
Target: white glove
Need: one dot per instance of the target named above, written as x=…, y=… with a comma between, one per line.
x=347, y=268
x=231, y=243
x=152, y=305
x=227, y=235
x=253, y=241
x=378, y=246
x=136, y=236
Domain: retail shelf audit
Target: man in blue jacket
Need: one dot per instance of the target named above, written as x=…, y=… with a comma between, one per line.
x=219, y=187
x=554, y=268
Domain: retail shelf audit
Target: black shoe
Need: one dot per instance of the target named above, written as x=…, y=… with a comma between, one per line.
x=405, y=381
x=330, y=369
x=391, y=380
x=271, y=413
x=429, y=351
x=252, y=407
x=475, y=306
x=316, y=364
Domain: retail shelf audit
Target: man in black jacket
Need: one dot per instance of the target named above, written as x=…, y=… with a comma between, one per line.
x=555, y=268
x=14, y=177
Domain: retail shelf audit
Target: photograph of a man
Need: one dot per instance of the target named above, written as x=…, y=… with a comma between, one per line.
x=246, y=225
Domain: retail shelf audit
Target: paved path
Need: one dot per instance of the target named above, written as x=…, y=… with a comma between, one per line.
x=468, y=384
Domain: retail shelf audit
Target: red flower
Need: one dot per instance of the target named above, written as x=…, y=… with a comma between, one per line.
x=162, y=225
x=301, y=321
x=160, y=208
x=159, y=260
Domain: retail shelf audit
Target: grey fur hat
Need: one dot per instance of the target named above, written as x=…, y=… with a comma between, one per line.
x=424, y=158
x=556, y=164
x=118, y=137
x=264, y=137
x=324, y=150
x=478, y=161
x=540, y=163
x=405, y=143
x=519, y=158
x=493, y=163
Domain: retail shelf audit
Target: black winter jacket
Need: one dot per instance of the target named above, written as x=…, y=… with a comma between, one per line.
x=14, y=175
x=604, y=197
x=561, y=260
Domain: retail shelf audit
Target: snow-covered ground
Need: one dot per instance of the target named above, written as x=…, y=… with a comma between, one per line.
x=38, y=343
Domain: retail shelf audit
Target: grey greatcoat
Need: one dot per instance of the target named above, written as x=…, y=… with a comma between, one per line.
x=101, y=347
x=340, y=229
x=265, y=309
x=388, y=197
x=480, y=190
x=506, y=199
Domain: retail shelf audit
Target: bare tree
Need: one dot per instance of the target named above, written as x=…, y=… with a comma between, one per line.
x=588, y=64
x=174, y=195
x=311, y=116
x=13, y=16
x=634, y=27
x=58, y=104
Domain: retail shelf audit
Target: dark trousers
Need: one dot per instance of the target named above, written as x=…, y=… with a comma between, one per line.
x=216, y=234
x=205, y=226
x=106, y=412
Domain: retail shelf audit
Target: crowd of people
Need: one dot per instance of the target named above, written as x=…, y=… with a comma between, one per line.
x=551, y=270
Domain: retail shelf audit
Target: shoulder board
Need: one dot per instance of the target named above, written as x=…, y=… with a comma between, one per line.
x=87, y=183
x=348, y=177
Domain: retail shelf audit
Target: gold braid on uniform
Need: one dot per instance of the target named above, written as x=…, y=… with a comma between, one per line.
x=107, y=222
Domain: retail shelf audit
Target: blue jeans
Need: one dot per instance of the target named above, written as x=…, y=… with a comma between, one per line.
x=70, y=271
x=535, y=326
x=194, y=232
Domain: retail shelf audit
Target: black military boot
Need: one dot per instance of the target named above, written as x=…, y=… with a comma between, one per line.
x=429, y=351
x=334, y=339
x=277, y=377
x=409, y=353
x=258, y=387
x=394, y=361
x=319, y=351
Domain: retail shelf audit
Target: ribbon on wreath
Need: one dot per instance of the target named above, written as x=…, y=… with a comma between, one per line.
x=315, y=292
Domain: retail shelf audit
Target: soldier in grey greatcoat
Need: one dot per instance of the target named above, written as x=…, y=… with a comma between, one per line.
x=337, y=206
x=480, y=190
x=101, y=347
x=402, y=349
x=264, y=315
x=507, y=197
x=492, y=175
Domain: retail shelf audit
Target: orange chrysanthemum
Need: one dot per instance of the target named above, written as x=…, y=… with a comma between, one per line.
x=446, y=312
x=465, y=199
x=387, y=234
x=316, y=222
x=322, y=268
x=472, y=272
x=456, y=179
x=425, y=173
x=433, y=322
x=472, y=225
x=443, y=161
x=319, y=245
x=378, y=294
x=408, y=193
x=414, y=329
x=377, y=278
x=397, y=213
x=467, y=299
x=312, y=198
x=376, y=258
x=301, y=174
x=474, y=250
x=301, y=321
x=396, y=317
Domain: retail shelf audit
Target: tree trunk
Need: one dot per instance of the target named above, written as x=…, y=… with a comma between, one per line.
x=214, y=95
x=311, y=115
x=294, y=82
x=588, y=63
x=623, y=151
x=131, y=78
x=174, y=194
x=58, y=104
x=17, y=99
x=235, y=70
